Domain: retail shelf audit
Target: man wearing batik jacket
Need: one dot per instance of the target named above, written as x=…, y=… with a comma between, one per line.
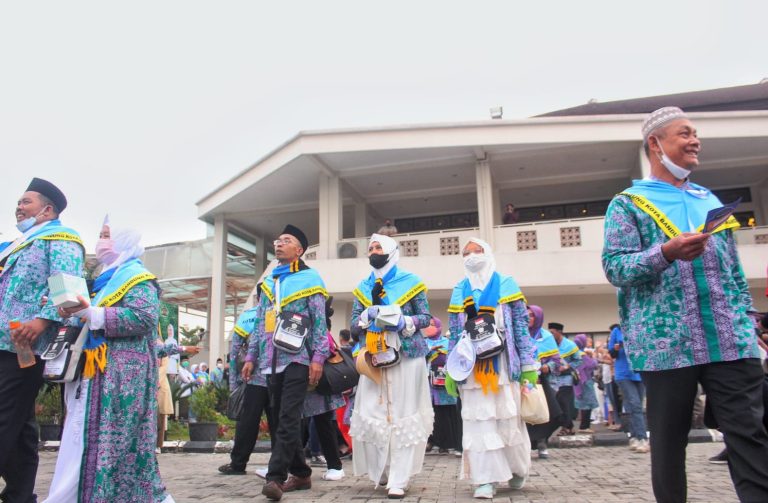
x=292, y=296
x=684, y=307
x=43, y=249
x=255, y=397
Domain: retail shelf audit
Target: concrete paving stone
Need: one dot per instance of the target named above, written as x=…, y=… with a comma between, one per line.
x=612, y=474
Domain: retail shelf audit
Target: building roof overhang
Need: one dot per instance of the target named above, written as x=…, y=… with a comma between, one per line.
x=429, y=168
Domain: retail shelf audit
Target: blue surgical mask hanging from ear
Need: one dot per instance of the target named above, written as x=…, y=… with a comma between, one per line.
x=28, y=223
x=677, y=171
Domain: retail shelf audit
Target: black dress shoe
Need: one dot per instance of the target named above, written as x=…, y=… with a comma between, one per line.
x=228, y=470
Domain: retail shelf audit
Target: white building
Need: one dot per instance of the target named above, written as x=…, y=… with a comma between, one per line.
x=442, y=183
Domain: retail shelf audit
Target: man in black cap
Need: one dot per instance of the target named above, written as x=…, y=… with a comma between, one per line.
x=289, y=345
x=563, y=380
x=44, y=248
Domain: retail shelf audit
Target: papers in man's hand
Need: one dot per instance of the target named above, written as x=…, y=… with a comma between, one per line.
x=388, y=316
x=718, y=216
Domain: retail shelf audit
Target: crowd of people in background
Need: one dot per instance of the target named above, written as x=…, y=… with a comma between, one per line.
x=687, y=327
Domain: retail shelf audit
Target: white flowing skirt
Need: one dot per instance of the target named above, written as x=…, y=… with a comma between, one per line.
x=391, y=423
x=495, y=440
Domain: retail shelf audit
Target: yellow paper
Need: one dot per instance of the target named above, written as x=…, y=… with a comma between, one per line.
x=269, y=321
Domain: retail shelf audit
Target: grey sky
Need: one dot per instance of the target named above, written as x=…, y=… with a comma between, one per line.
x=141, y=108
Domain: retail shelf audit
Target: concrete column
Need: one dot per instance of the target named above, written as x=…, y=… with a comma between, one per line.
x=484, y=200
x=497, y=205
x=760, y=197
x=261, y=255
x=361, y=220
x=330, y=216
x=645, y=164
x=218, y=297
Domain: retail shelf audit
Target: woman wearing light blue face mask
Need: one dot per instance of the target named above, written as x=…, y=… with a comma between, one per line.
x=495, y=438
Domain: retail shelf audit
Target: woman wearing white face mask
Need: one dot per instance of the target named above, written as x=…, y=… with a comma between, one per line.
x=108, y=444
x=393, y=416
x=495, y=439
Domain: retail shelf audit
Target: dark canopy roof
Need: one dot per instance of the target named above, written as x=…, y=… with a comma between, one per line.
x=751, y=97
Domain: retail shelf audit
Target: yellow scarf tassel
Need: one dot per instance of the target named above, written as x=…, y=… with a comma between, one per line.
x=485, y=374
x=375, y=342
x=95, y=358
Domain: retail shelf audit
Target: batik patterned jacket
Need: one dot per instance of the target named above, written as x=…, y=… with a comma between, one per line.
x=315, y=348
x=675, y=314
x=24, y=284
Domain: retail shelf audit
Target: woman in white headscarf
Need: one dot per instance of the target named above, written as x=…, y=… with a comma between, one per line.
x=393, y=416
x=107, y=452
x=495, y=439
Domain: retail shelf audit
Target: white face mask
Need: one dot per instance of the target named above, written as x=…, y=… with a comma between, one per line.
x=219, y=365
x=474, y=262
x=677, y=171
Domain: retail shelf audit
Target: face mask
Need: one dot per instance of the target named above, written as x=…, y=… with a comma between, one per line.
x=378, y=261
x=28, y=223
x=677, y=171
x=474, y=262
x=219, y=365
x=105, y=254
x=185, y=365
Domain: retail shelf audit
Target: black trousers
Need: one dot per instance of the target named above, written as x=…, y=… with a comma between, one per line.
x=288, y=388
x=586, y=419
x=255, y=403
x=567, y=405
x=18, y=428
x=446, y=427
x=734, y=392
x=327, y=434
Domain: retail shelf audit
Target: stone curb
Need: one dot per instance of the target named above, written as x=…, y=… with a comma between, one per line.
x=602, y=439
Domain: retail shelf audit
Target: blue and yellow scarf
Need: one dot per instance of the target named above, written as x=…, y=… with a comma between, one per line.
x=53, y=231
x=567, y=348
x=676, y=210
x=108, y=289
x=499, y=290
x=396, y=287
x=297, y=281
x=546, y=345
x=246, y=322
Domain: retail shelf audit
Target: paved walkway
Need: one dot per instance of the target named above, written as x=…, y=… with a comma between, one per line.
x=595, y=474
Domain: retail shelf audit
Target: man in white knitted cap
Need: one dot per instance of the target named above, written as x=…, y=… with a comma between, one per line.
x=684, y=307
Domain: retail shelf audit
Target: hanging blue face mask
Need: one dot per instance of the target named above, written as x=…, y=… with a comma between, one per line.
x=26, y=224
x=677, y=171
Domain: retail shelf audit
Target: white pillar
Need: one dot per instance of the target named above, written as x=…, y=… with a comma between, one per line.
x=330, y=216
x=218, y=296
x=645, y=163
x=261, y=255
x=361, y=220
x=484, y=200
x=760, y=198
x=497, y=205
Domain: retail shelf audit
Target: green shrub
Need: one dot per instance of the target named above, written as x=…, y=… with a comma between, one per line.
x=48, y=404
x=203, y=403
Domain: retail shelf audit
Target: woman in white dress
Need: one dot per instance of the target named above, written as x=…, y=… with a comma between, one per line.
x=495, y=439
x=393, y=416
